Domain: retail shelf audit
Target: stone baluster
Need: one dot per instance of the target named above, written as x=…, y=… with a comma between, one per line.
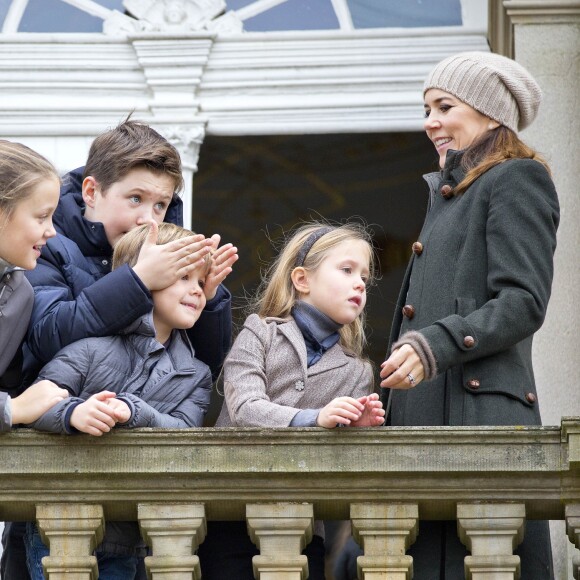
x=174, y=531
x=385, y=532
x=491, y=532
x=72, y=531
x=572, y=516
x=280, y=531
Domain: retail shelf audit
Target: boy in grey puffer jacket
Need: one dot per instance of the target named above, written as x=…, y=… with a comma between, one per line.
x=147, y=376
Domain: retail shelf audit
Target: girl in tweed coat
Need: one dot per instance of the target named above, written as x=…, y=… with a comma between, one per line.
x=298, y=362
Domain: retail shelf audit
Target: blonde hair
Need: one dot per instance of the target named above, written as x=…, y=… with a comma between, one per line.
x=494, y=147
x=277, y=295
x=21, y=170
x=128, y=247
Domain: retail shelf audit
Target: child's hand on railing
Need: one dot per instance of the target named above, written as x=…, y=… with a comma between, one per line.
x=373, y=414
x=122, y=410
x=94, y=416
x=340, y=411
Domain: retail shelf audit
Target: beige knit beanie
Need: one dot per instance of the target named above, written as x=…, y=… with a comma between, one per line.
x=492, y=84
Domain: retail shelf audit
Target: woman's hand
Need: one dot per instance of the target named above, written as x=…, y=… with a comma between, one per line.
x=222, y=260
x=403, y=369
x=35, y=401
x=373, y=414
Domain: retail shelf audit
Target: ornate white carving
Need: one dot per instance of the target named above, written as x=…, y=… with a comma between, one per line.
x=118, y=24
x=175, y=15
x=187, y=140
x=229, y=23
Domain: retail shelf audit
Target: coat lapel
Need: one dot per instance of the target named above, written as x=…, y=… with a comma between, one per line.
x=291, y=331
x=333, y=358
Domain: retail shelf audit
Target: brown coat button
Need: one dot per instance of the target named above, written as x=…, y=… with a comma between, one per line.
x=530, y=397
x=408, y=311
x=446, y=191
x=469, y=341
x=417, y=248
x=473, y=384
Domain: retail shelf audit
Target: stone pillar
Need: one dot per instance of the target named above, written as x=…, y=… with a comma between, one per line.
x=280, y=531
x=187, y=140
x=545, y=38
x=491, y=532
x=573, y=528
x=72, y=532
x=385, y=532
x=174, y=531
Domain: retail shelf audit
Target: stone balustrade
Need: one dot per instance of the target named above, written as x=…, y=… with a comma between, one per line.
x=384, y=480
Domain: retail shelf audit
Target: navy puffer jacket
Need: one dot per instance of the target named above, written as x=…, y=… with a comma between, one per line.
x=77, y=296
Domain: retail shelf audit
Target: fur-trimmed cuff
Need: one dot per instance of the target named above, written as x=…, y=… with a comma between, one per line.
x=422, y=348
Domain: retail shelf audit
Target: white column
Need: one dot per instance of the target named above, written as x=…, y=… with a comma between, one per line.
x=280, y=531
x=174, y=531
x=72, y=531
x=491, y=532
x=187, y=140
x=546, y=40
x=385, y=532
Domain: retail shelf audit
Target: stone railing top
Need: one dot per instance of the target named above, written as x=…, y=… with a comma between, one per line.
x=436, y=467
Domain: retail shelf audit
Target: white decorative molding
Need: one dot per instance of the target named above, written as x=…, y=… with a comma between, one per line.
x=248, y=84
x=177, y=16
x=324, y=82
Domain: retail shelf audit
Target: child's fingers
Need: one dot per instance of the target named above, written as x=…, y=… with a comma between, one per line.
x=215, y=241
x=104, y=395
x=222, y=252
x=193, y=250
x=152, y=234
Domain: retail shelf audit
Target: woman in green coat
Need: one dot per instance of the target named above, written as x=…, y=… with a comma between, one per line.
x=478, y=283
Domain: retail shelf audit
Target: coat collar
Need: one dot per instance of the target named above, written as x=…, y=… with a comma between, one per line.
x=452, y=174
x=334, y=357
x=142, y=332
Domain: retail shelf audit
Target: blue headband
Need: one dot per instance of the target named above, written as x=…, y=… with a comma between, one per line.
x=307, y=245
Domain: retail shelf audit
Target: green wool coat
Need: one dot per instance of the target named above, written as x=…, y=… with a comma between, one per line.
x=479, y=290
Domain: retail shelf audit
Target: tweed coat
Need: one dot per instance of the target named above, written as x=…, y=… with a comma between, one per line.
x=266, y=379
x=479, y=290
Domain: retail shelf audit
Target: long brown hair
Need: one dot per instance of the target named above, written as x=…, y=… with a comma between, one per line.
x=494, y=147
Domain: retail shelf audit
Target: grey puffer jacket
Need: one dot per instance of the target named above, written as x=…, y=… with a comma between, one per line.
x=16, y=300
x=166, y=388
